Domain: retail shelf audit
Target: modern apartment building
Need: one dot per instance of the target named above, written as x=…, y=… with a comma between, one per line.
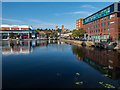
x=104, y=24
x=79, y=23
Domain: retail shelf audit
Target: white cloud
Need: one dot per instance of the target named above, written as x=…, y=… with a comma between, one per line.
x=80, y=12
x=35, y=23
x=76, y=12
x=42, y=24
x=11, y=20
x=88, y=6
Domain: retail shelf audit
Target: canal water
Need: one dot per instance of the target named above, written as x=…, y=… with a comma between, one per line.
x=56, y=64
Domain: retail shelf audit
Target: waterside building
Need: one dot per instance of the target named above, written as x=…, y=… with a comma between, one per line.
x=104, y=24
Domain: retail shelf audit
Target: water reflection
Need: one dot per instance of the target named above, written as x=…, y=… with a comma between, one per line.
x=51, y=63
x=105, y=61
x=25, y=46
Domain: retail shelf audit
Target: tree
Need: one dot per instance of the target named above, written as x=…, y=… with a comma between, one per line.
x=74, y=33
x=47, y=35
x=59, y=30
x=17, y=35
x=11, y=35
x=81, y=32
x=78, y=33
x=55, y=35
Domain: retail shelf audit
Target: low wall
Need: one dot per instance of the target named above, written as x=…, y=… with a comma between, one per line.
x=87, y=43
x=75, y=42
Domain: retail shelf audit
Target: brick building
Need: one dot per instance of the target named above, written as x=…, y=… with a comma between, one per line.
x=79, y=23
x=104, y=24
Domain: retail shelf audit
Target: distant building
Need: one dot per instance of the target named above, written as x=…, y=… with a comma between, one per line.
x=79, y=23
x=56, y=28
x=41, y=35
x=62, y=27
x=24, y=31
x=66, y=34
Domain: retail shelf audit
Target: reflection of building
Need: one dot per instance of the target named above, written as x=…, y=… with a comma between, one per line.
x=23, y=31
x=25, y=46
x=16, y=47
x=107, y=62
x=78, y=57
x=79, y=23
x=104, y=24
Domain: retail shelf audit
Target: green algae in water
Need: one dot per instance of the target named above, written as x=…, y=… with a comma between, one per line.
x=79, y=83
x=106, y=85
x=78, y=74
x=105, y=75
x=105, y=67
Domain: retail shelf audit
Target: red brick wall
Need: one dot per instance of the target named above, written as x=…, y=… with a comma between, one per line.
x=78, y=26
x=113, y=27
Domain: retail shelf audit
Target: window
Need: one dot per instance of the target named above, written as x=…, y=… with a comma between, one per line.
x=101, y=30
x=101, y=36
x=101, y=24
x=101, y=19
x=104, y=18
x=91, y=36
x=96, y=25
x=108, y=29
x=96, y=36
x=104, y=36
x=108, y=23
x=104, y=23
x=108, y=17
x=104, y=30
x=108, y=36
x=96, y=21
x=96, y=30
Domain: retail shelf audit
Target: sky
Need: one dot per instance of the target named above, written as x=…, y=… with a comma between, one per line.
x=48, y=14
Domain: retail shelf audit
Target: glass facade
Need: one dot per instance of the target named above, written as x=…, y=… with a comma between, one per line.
x=99, y=14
